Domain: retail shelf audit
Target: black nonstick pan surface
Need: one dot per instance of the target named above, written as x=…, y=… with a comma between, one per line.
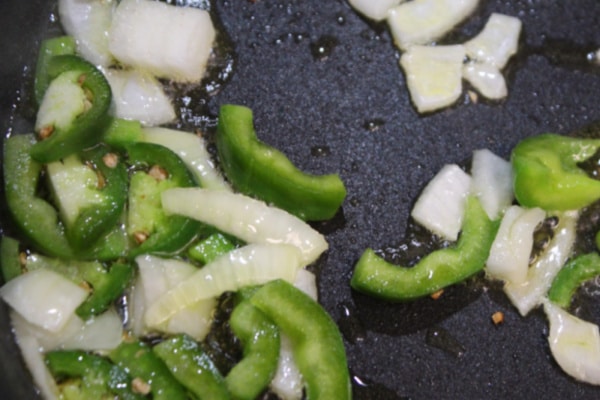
x=326, y=88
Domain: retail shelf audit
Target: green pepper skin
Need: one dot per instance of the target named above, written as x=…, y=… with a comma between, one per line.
x=171, y=233
x=49, y=48
x=317, y=344
x=107, y=286
x=85, y=130
x=376, y=277
x=261, y=171
x=260, y=339
x=140, y=361
x=10, y=258
x=94, y=222
x=211, y=247
x=36, y=218
x=100, y=378
x=571, y=276
x=192, y=367
x=546, y=172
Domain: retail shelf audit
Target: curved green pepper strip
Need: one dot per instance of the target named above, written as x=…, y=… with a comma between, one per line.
x=36, y=218
x=192, y=367
x=377, y=277
x=100, y=378
x=49, y=48
x=264, y=172
x=317, y=344
x=94, y=221
x=141, y=362
x=546, y=172
x=260, y=339
x=571, y=276
x=84, y=130
x=156, y=169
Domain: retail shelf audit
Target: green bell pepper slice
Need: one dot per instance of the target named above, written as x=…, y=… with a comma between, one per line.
x=99, y=377
x=376, y=277
x=192, y=367
x=49, y=48
x=61, y=138
x=259, y=170
x=155, y=169
x=260, y=341
x=547, y=175
x=10, y=258
x=141, y=362
x=575, y=272
x=317, y=344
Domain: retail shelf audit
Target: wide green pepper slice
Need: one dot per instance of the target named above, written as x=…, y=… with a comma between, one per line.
x=79, y=87
x=259, y=170
x=547, y=175
x=156, y=169
x=575, y=272
x=377, y=277
x=99, y=378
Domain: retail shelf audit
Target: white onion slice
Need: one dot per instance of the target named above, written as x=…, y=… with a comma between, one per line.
x=191, y=149
x=34, y=358
x=433, y=75
x=139, y=96
x=88, y=21
x=492, y=182
x=529, y=294
x=486, y=79
x=245, y=218
x=44, y=298
x=168, y=41
x=157, y=276
x=441, y=206
x=376, y=10
x=509, y=255
x=423, y=21
x=253, y=264
x=497, y=42
x=574, y=343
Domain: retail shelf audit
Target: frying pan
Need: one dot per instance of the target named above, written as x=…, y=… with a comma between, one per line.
x=326, y=89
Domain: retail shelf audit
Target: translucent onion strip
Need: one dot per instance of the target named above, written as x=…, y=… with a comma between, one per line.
x=245, y=218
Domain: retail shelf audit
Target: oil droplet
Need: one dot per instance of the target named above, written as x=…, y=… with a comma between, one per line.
x=323, y=47
x=350, y=326
x=443, y=340
x=363, y=388
x=373, y=124
x=320, y=151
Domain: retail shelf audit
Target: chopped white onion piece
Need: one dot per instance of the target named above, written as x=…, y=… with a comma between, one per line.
x=34, y=358
x=492, y=182
x=192, y=150
x=510, y=252
x=88, y=21
x=253, y=264
x=245, y=218
x=497, y=42
x=168, y=41
x=433, y=75
x=574, y=343
x=486, y=79
x=44, y=298
x=529, y=294
x=374, y=9
x=157, y=276
x=441, y=206
x=423, y=21
x=139, y=96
